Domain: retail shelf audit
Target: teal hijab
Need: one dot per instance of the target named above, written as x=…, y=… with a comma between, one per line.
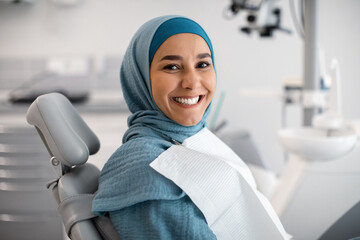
x=135, y=79
x=127, y=178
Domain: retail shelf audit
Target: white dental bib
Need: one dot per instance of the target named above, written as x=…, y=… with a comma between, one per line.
x=222, y=187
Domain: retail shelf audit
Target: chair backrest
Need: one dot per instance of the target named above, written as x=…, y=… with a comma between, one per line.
x=70, y=142
x=65, y=134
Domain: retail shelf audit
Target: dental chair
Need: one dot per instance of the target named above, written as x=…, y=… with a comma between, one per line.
x=69, y=142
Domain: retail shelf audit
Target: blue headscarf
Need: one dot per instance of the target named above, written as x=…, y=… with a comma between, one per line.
x=135, y=79
x=127, y=178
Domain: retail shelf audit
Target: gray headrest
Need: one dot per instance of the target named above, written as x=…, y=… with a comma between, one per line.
x=65, y=134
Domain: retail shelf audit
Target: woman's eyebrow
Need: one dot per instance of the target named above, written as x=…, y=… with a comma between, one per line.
x=204, y=55
x=178, y=57
x=171, y=57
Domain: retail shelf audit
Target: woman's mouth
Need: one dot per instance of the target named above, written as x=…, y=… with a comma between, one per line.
x=188, y=101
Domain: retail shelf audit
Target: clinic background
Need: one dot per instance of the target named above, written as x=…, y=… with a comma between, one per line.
x=83, y=42
x=101, y=30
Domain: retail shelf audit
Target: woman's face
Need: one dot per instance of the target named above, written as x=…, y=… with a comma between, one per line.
x=183, y=78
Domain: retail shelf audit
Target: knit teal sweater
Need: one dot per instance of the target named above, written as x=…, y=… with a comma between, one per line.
x=143, y=204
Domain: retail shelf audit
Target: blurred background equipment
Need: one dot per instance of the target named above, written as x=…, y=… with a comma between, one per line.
x=262, y=16
x=69, y=76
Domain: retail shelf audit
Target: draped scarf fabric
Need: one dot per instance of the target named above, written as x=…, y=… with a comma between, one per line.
x=127, y=178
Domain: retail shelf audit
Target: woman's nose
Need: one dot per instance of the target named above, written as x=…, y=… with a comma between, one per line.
x=191, y=79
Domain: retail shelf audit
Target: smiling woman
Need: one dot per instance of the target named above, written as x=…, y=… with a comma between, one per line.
x=168, y=81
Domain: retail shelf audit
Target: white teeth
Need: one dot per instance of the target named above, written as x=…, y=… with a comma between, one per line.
x=187, y=101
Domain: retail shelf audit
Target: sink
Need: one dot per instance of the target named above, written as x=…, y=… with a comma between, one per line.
x=317, y=144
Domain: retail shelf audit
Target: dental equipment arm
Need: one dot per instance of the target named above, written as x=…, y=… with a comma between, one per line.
x=262, y=16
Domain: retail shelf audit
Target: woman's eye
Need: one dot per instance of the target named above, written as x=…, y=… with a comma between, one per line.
x=203, y=65
x=171, y=67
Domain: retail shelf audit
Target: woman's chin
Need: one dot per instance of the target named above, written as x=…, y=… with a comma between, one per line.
x=187, y=122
